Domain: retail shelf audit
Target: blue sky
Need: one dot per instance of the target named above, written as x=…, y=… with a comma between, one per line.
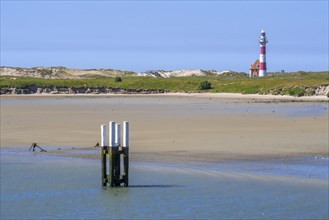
x=169, y=35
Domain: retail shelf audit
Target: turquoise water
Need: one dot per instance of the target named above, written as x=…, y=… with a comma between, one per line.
x=35, y=186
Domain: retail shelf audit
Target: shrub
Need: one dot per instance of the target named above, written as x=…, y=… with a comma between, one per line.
x=296, y=91
x=117, y=79
x=204, y=85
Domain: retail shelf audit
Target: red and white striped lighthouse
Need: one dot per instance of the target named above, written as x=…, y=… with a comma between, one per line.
x=262, y=56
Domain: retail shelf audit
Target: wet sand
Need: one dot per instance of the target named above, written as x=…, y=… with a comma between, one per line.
x=168, y=129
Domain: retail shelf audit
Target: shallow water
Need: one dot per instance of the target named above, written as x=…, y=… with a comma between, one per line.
x=46, y=187
x=205, y=105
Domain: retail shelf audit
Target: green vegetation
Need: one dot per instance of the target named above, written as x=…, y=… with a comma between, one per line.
x=204, y=85
x=296, y=91
x=117, y=79
x=295, y=84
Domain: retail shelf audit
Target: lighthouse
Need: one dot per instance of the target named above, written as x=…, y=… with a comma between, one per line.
x=262, y=56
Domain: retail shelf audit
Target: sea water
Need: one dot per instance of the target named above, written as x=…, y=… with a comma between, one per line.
x=36, y=186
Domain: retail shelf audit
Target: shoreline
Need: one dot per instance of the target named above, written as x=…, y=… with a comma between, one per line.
x=168, y=157
x=280, y=98
x=297, y=166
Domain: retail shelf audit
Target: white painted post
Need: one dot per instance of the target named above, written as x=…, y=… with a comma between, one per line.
x=103, y=135
x=117, y=135
x=105, y=156
x=125, y=134
x=112, y=134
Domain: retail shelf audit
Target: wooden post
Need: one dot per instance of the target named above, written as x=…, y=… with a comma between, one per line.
x=34, y=145
x=118, y=160
x=126, y=166
x=125, y=144
x=112, y=134
x=117, y=167
x=103, y=135
x=125, y=134
x=115, y=139
x=117, y=135
x=103, y=155
x=112, y=166
x=104, y=162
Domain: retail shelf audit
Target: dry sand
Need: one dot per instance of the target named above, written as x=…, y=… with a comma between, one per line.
x=170, y=128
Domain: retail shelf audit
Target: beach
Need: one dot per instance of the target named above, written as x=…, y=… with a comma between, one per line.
x=171, y=127
x=191, y=157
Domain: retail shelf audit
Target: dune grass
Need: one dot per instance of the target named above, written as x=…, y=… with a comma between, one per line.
x=291, y=84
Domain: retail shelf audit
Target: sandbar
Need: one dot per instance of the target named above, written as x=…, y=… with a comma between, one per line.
x=170, y=128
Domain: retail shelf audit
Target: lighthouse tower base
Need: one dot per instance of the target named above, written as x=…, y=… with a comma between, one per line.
x=262, y=73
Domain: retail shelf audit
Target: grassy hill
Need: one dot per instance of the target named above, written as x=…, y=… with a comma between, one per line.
x=295, y=84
